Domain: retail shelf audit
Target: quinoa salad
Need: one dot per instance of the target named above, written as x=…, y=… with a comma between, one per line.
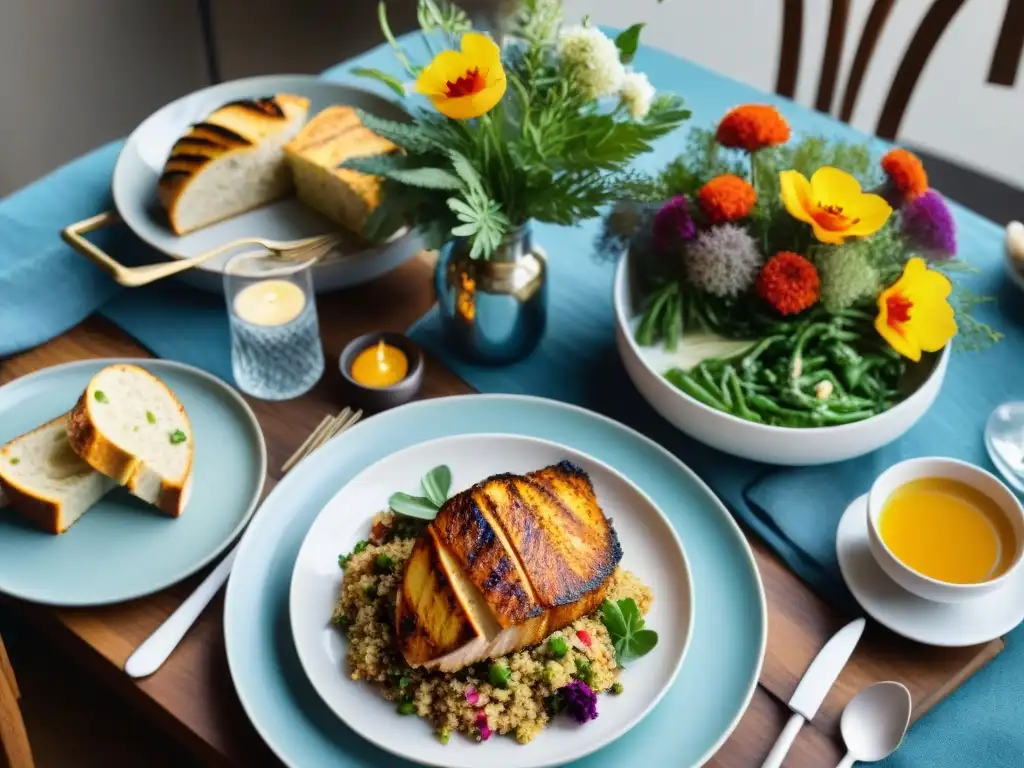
x=515, y=695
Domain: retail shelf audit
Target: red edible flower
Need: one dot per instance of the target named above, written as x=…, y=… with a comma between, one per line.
x=481, y=724
x=726, y=198
x=789, y=283
x=751, y=127
x=584, y=637
x=906, y=172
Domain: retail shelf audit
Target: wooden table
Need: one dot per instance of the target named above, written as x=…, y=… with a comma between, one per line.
x=192, y=696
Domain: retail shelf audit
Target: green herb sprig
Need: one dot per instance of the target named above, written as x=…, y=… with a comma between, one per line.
x=435, y=486
x=624, y=623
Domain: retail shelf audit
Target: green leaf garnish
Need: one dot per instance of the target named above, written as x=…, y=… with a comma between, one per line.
x=100, y=396
x=436, y=484
x=413, y=506
x=384, y=563
x=150, y=417
x=627, y=42
x=625, y=625
x=177, y=436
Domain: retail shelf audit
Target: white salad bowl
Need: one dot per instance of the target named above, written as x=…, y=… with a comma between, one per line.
x=746, y=439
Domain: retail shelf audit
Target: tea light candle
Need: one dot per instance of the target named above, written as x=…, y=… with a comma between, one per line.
x=381, y=370
x=270, y=302
x=380, y=365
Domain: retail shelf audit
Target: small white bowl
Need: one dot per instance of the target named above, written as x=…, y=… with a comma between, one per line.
x=953, y=469
x=747, y=439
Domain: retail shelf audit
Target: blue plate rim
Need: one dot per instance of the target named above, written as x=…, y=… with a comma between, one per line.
x=247, y=539
x=236, y=531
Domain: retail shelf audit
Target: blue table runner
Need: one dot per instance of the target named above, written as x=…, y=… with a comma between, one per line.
x=46, y=288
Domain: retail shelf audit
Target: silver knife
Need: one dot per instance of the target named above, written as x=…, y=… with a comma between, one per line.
x=814, y=686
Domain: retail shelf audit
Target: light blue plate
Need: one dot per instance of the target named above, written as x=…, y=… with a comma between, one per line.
x=123, y=548
x=730, y=624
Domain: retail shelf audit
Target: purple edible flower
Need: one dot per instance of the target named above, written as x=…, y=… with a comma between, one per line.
x=472, y=696
x=673, y=224
x=484, y=728
x=928, y=223
x=580, y=701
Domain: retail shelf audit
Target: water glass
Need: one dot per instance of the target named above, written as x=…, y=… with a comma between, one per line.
x=276, y=352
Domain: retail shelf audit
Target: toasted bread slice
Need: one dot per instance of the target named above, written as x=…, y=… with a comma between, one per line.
x=130, y=426
x=45, y=481
x=345, y=196
x=231, y=163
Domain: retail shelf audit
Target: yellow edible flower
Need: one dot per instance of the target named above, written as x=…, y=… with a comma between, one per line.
x=913, y=313
x=467, y=83
x=833, y=204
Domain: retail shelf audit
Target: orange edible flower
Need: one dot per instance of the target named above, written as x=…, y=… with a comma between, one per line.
x=789, y=283
x=914, y=314
x=751, y=127
x=726, y=198
x=906, y=172
x=467, y=83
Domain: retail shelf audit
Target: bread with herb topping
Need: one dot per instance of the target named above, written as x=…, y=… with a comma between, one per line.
x=230, y=163
x=45, y=481
x=345, y=196
x=129, y=426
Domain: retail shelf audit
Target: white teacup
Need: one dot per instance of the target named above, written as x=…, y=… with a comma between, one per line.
x=953, y=469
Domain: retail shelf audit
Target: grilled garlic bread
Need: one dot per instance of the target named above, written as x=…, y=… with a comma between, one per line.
x=232, y=162
x=504, y=564
x=345, y=196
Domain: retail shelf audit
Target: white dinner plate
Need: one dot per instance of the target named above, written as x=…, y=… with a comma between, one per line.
x=944, y=624
x=140, y=163
x=651, y=549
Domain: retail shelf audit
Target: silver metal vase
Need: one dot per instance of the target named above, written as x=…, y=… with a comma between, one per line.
x=494, y=310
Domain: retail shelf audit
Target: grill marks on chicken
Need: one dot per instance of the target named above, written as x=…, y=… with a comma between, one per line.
x=504, y=564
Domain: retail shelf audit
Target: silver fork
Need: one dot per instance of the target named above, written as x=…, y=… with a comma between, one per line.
x=156, y=648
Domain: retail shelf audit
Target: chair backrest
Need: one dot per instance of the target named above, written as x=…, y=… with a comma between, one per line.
x=943, y=75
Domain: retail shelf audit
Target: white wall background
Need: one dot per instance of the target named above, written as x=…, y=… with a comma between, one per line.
x=953, y=111
x=77, y=73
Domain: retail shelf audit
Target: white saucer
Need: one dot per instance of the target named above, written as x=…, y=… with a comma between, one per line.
x=950, y=625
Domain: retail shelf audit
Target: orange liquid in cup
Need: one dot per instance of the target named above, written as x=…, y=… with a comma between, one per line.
x=948, y=531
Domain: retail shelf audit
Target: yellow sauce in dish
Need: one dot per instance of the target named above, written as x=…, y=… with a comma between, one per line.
x=380, y=365
x=948, y=530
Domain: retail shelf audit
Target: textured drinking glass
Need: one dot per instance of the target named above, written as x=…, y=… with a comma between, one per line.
x=1004, y=438
x=276, y=352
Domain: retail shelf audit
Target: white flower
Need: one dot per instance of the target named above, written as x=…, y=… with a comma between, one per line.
x=723, y=261
x=592, y=59
x=636, y=93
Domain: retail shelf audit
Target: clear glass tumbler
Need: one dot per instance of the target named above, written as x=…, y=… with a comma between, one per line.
x=276, y=352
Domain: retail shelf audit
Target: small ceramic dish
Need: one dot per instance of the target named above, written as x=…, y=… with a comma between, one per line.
x=380, y=398
x=953, y=469
x=948, y=625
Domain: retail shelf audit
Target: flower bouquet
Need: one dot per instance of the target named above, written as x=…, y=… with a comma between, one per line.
x=543, y=128
x=807, y=283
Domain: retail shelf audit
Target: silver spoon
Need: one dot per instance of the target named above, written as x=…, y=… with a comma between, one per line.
x=874, y=722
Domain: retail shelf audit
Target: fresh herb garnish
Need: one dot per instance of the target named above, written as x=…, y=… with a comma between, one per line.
x=360, y=546
x=150, y=417
x=554, y=704
x=177, y=436
x=384, y=563
x=100, y=396
x=343, y=561
x=406, y=707
x=370, y=591
x=625, y=625
x=435, y=486
x=616, y=689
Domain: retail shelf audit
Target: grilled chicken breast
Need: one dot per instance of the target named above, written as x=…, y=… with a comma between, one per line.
x=503, y=565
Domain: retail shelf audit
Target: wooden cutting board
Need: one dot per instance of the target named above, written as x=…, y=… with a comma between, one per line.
x=192, y=695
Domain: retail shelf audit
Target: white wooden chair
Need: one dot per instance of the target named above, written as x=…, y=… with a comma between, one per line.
x=14, y=747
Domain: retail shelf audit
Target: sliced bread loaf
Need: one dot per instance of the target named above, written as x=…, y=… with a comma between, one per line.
x=45, y=481
x=130, y=426
x=230, y=163
x=345, y=196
